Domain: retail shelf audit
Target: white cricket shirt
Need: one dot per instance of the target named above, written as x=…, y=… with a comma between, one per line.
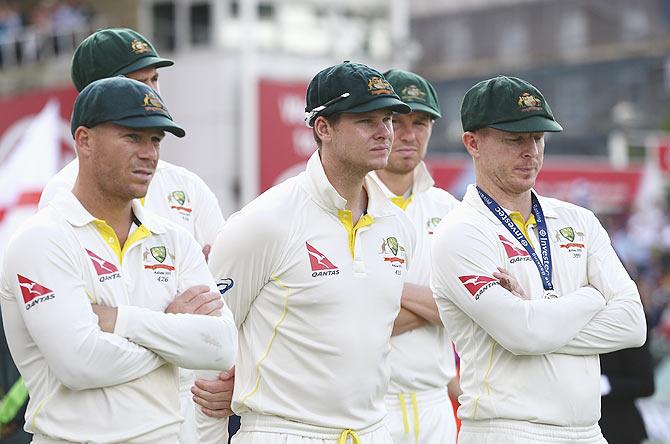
x=532, y=360
x=422, y=358
x=315, y=300
x=86, y=385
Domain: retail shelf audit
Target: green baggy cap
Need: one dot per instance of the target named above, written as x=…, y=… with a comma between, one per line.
x=415, y=91
x=508, y=104
x=350, y=88
x=112, y=52
x=122, y=101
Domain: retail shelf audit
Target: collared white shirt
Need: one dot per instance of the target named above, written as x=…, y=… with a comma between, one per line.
x=175, y=193
x=422, y=358
x=532, y=360
x=315, y=301
x=86, y=385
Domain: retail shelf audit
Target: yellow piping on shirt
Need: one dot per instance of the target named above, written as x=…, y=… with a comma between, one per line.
x=486, y=375
x=349, y=433
x=274, y=335
x=38, y=410
x=346, y=218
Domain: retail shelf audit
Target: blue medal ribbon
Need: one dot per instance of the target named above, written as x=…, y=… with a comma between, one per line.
x=544, y=265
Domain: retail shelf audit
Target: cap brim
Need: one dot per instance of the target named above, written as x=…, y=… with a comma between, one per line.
x=380, y=103
x=159, y=122
x=145, y=62
x=420, y=107
x=532, y=124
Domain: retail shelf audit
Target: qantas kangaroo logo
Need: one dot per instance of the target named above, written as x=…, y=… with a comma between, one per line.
x=32, y=292
x=320, y=264
x=476, y=285
x=105, y=270
x=513, y=252
x=101, y=266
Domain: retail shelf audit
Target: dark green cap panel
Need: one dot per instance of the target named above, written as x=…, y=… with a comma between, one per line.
x=112, y=52
x=125, y=102
x=509, y=104
x=415, y=91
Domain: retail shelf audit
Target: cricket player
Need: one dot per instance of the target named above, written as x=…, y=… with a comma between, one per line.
x=529, y=287
x=175, y=192
x=318, y=264
x=102, y=301
x=422, y=358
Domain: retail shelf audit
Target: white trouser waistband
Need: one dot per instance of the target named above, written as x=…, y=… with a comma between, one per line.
x=253, y=422
x=539, y=432
x=425, y=398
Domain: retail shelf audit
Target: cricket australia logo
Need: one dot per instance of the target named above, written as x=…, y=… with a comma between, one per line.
x=432, y=223
x=180, y=202
x=394, y=254
x=574, y=240
x=161, y=261
x=321, y=265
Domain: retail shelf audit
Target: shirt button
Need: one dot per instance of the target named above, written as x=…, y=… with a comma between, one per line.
x=110, y=240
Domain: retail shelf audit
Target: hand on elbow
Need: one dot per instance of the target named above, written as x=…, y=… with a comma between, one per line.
x=214, y=397
x=106, y=317
x=197, y=300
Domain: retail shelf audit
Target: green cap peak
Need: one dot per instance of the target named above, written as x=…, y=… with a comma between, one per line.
x=508, y=104
x=112, y=52
x=122, y=101
x=415, y=91
x=350, y=88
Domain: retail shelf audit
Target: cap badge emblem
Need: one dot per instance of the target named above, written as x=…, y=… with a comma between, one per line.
x=139, y=47
x=377, y=85
x=412, y=92
x=528, y=102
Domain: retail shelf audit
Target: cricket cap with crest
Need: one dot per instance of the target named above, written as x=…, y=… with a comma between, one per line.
x=508, y=104
x=112, y=52
x=350, y=88
x=122, y=101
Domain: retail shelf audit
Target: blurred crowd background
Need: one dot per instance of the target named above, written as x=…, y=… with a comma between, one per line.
x=241, y=71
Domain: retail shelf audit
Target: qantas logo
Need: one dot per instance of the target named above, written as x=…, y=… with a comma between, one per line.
x=515, y=253
x=33, y=293
x=477, y=285
x=321, y=266
x=105, y=270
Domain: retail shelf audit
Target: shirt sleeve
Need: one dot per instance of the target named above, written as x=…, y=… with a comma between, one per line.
x=63, y=325
x=621, y=324
x=242, y=260
x=186, y=340
x=464, y=260
x=208, y=217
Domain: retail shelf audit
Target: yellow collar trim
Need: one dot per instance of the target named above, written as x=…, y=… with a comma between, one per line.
x=346, y=218
x=401, y=202
x=523, y=225
x=110, y=237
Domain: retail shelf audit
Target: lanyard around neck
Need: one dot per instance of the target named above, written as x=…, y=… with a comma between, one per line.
x=544, y=265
